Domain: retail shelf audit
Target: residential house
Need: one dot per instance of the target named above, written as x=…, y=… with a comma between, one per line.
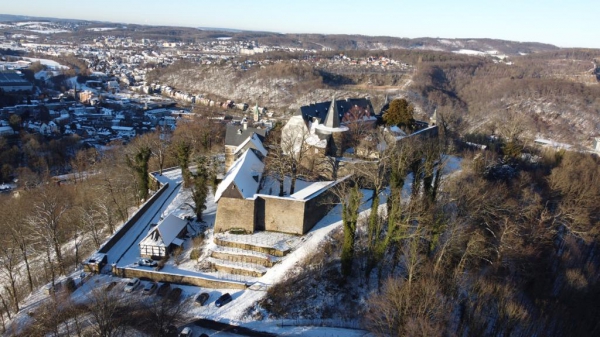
x=164, y=237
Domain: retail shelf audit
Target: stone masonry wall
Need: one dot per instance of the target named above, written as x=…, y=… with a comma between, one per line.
x=317, y=207
x=235, y=214
x=158, y=276
x=283, y=215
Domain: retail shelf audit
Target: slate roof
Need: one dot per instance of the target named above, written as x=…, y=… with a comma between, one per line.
x=332, y=120
x=235, y=135
x=165, y=233
x=12, y=79
x=319, y=110
x=254, y=140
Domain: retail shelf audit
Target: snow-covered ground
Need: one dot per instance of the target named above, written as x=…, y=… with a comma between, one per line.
x=46, y=62
x=44, y=74
x=176, y=201
x=470, y=52
x=101, y=29
x=40, y=27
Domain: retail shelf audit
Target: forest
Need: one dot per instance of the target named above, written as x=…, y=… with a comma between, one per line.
x=50, y=224
x=504, y=247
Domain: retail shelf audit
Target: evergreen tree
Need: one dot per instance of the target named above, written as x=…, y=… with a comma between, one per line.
x=350, y=218
x=201, y=180
x=400, y=113
x=140, y=165
x=183, y=150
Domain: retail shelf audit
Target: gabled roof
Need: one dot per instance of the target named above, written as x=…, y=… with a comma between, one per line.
x=236, y=134
x=165, y=233
x=245, y=173
x=255, y=140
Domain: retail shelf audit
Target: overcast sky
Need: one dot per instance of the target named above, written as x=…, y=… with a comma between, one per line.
x=565, y=23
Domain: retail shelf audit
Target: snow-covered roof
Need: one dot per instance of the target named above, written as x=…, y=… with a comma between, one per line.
x=258, y=145
x=165, y=233
x=552, y=143
x=341, y=128
x=311, y=189
x=314, y=140
x=6, y=130
x=242, y=174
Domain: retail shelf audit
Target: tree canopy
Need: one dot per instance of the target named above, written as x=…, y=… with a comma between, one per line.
x=400, y=113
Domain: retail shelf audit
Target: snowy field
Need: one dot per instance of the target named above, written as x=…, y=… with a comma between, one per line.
x=46, y=62
x=101, y=29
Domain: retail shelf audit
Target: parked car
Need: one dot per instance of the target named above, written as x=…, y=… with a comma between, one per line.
x=147, y=263
x=149, y=288
x=186, y=332
x=110, y=286
x=131, y=285
x=175, y=294
x=163, y=289
x=224, y=299
x=201, y=298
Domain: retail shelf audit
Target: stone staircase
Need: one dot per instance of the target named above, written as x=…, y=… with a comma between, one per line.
x=238, y=255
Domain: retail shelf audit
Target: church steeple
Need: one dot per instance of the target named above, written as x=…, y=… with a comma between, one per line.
x=256, y=115
x=332, y=120
x=433, y=119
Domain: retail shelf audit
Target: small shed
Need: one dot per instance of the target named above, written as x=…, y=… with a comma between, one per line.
x=95, y=263
x=162, y=239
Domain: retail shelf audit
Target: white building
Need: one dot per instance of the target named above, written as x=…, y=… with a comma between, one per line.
x=164, y=237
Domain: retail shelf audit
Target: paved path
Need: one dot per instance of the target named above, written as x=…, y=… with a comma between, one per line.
x=126, y=250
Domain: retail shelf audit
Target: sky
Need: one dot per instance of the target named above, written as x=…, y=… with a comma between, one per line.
x=565, y=23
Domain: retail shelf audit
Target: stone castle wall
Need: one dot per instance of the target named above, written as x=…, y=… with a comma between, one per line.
x=233, y=213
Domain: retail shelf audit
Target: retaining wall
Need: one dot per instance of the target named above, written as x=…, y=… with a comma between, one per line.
x=263, y=261
x=133, y=219
x=237, y=271
x=158, y=276
x=247, y=246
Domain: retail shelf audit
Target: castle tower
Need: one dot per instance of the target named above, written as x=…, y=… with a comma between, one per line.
x=333, y=131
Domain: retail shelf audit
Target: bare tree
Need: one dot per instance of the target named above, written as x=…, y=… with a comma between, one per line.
x=159, y=142
x=276, y=166
x=405, y=310
x=46, y=224
x=161, y=313
x=83, y=163
x=295, y=138
x=109, y=312
x=89, y=220
x=11, y=223
x=9, y=270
